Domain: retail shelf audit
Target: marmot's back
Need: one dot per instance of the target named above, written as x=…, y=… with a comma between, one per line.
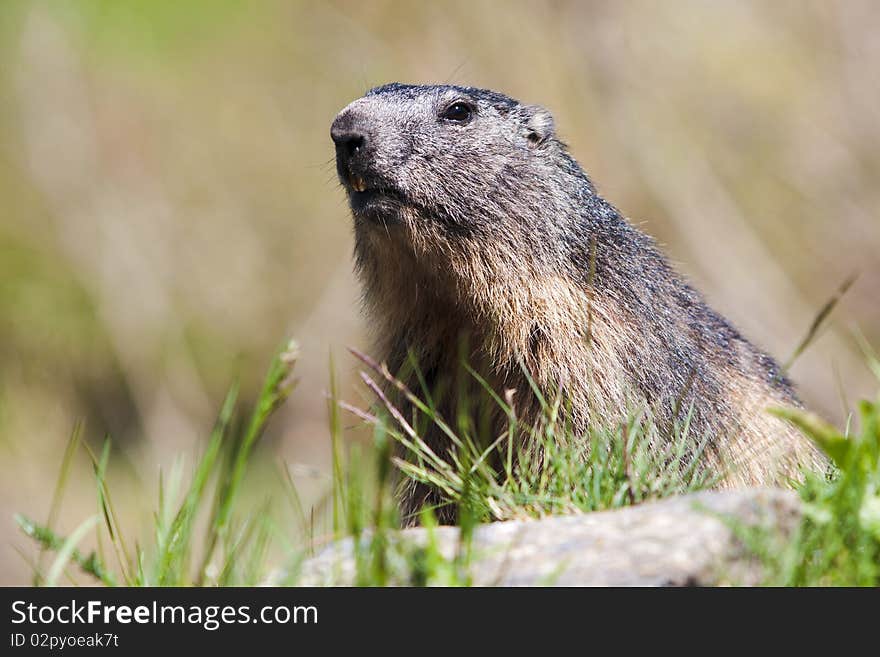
x=472, y=221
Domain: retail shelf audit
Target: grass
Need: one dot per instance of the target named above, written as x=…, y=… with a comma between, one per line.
x=231, y=547
x=203, y=533
x=838, y=541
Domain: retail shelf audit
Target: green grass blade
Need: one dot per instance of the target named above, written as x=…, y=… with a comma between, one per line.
x=67, y=548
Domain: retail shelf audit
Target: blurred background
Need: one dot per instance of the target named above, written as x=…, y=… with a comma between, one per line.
x=169, y=211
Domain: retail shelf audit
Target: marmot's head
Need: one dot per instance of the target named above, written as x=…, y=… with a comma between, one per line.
x=449, y=161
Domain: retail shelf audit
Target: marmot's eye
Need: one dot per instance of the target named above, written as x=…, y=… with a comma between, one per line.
x=458, y=112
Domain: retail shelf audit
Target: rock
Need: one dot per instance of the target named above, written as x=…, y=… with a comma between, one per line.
x=674, y=542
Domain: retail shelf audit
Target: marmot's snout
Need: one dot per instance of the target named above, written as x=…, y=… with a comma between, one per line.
x=364, y=137
x=353, y=149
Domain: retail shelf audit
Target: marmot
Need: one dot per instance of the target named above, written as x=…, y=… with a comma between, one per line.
x=472, y=220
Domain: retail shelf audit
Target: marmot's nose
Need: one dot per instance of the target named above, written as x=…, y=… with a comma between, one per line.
x=350, y=143
x=350, y=138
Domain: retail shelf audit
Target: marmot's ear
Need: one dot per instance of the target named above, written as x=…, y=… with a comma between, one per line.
x=540, y=124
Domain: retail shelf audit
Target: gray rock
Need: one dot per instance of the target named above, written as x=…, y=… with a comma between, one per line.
x=680, y=541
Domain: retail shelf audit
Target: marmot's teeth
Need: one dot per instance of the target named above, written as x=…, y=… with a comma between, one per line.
x=358, y=183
